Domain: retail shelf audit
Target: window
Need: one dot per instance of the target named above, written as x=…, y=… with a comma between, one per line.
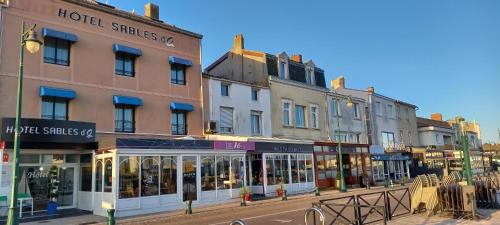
x=378, y=108
x=336, y=108
x=255, y=120
x=98, y=176
x=129, y=177
x=179, y=126
x=300, y=119
x=86, y=178
x=389, y=111
x=437, y=139
x=302, y=168
x=410, y=138
x=237, y=172
x=56, y=51
x=314, y=117
x=54, y=108
x=407, y=114
x=255, y=94
x=388, y=139
x=310, y=77
x=355, y=110
x=226, y=120
x=168, y=182
x=178, y=74
x=108, y=175
x=149, y=174
x=124, y=118
x=282, y=70
x=398, y=112
x=224, y=89
x=294, y=168
x=400, y=135
x=208, y=173
x=124, y=64
x=287, y=113
x=223, y=172
x=309, y=168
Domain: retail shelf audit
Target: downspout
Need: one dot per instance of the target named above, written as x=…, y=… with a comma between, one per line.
x=201, y=93
x=2, y=26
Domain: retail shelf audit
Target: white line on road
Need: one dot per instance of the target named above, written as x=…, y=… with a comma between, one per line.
x=256, y=217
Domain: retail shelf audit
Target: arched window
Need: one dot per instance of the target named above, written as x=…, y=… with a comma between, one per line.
x=208, y=173
x=108, y=175
x=168, y=182
x=150, y=174
x=98, y=176
x=129, y=177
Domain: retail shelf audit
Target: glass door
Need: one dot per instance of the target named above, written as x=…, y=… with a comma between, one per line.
x=66, y=186
x=189, y=178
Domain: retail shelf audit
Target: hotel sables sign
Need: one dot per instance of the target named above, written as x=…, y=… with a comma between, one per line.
x=41, y=130
x=76, y=16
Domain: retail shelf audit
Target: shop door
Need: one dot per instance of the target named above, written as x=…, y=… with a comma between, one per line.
x=66, y=186
x=189, y=178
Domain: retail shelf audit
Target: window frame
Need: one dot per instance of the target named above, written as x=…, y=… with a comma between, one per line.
x=175, y=68
x=314, y=116
x=255, y=94
x=123, y=107
x=290, y=114
x=177, y=113
x=53, y=100
x=58, y=44
x=222, y=85
x=355, y=111
x=304, y=125
x=259, y=122
x=123, y=56
x=232, y=120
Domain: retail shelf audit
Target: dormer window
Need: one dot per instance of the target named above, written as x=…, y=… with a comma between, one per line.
x=310, y=77
x=282, y=70
x=283, y=66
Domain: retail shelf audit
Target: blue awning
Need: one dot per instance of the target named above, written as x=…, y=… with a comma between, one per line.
x=126, y=49
x=177, y=60
x=126, y=100
x=47, y=32
x=181, y=106
x=57, y=92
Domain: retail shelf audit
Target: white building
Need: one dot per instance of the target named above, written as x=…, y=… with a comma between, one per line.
x=236, y=108
x=434, y=132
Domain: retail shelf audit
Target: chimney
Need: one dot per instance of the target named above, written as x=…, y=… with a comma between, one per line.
x=238, y=43
x=371, y=89
x=437, y=116
x=152, y=11
x=297, y=58
x=338, y=83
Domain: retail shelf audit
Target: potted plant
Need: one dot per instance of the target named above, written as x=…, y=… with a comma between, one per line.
x=246, y=193
x=280, y=189
x=53, y=190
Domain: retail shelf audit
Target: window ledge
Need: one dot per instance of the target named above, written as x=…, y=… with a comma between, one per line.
x=305, y=128
x=288, y=126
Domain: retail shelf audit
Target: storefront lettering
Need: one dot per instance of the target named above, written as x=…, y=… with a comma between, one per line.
x=87, y=133
x=122, y=28
x=37, y=174
x=234, y=145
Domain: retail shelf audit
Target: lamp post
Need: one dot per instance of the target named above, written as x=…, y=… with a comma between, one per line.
x=349, y=104
x=32, y=44
x=465, y=149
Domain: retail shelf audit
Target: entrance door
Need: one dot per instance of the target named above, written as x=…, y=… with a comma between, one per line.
x=66, y=186
x=189, y=190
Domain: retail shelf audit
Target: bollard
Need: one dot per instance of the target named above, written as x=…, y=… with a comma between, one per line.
x=316, y=192
x=111, y=216
x=188, y=207
x=284, y=197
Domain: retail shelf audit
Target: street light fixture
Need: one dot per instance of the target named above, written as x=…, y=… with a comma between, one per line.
x=32, y=44
x=349, y=104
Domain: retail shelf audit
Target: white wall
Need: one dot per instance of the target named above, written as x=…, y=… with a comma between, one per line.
x=348, y=123
x=383, y=121
x=240, y=99
x=427, y=135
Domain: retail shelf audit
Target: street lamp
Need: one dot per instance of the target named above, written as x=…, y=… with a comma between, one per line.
x=349, y=104
x=32, y=44
x=465, y=149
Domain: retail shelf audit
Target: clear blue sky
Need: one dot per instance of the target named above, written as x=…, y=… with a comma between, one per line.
x=441, y=55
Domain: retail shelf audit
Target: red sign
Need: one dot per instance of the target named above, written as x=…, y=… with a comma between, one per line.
x=2, y=145
x=5, y=157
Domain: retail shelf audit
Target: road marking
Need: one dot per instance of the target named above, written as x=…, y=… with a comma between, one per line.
x=283, y=221
x=256, y=217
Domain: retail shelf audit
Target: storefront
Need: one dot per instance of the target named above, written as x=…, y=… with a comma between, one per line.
x=427, y=161
x=49, y=148
x=356, y=161
x=390, y=167
x=138, y=176
x=272, y=165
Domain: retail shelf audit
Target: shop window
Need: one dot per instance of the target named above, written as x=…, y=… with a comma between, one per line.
x=98, y=176
x=237, y=172
x=256, y=163
x=208, y=173
x=124, y=64
x=320, y=160
x=309, y=168
x=72, y=158
x=255, y=122
x=168, y=183
x=378, y=170
x=85, y=158
x=294, y=166
x=54, y=108
x=108, y=175
x=56, y=51
x=223, y=172
x=86, y=178
x=330, y=166
x=226, y=120
x=300, y=117
x=149, y=175
x=178, y=74
x=129, y=177
x=53, y=159
x=270, y=170
x=27, y=159
x=277, y=169
x=179, y=125
x=124, y=118
x=302, y=168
